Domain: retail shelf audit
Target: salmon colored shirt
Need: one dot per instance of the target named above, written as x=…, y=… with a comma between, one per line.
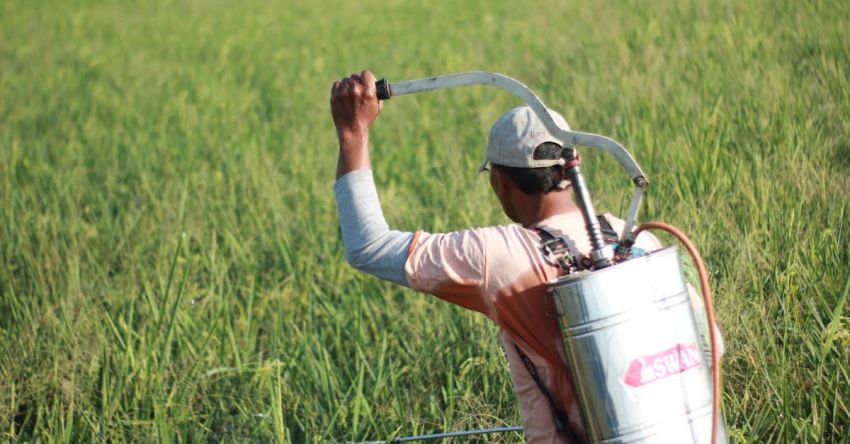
x=501, y=272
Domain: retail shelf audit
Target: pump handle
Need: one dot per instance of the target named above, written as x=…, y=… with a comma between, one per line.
x=385, y=90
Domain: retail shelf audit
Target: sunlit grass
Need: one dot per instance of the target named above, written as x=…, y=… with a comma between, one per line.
x=170, y=263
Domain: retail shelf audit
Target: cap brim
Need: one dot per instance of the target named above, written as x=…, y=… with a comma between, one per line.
x=483, y=166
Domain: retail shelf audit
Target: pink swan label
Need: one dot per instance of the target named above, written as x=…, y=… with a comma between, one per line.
x=675, y=360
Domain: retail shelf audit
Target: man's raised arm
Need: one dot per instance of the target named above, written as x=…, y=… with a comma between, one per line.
x=370, y=246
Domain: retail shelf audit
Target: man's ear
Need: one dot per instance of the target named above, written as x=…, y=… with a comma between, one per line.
x=502, y=183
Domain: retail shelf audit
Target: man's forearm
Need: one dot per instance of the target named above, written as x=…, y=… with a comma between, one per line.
x=353, y=152
x=370, y=246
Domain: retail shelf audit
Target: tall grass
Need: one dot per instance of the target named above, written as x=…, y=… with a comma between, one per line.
x=170, y=264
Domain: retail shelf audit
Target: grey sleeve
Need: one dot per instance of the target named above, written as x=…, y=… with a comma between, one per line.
x=370, y=245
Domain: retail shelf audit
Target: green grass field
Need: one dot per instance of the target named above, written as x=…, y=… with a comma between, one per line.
x=170, y=263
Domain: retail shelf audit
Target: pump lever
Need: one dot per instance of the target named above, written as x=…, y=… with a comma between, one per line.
x=387, y=90
x=569, y=139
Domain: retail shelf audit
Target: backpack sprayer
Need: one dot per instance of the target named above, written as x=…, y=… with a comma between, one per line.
x=629, y=333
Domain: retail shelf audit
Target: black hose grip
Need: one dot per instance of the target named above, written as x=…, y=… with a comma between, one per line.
x=383, y=89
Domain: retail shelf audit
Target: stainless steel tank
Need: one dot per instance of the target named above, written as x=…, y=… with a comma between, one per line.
x=633, y=348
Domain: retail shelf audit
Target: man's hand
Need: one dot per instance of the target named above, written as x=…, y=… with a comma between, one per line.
x=354, y=106
x=354, y=103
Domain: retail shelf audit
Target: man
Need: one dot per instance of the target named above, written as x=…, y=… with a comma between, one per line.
x=499, y=271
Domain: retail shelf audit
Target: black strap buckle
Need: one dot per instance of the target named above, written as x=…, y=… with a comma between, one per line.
x=556, y=251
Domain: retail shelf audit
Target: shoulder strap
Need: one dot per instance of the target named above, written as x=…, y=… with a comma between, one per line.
x=608, y=232
x=555, y=249
x=545, y=235
x=561, y=421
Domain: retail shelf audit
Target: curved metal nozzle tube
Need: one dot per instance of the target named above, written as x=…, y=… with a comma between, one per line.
x=568, y=138
x=515, y=87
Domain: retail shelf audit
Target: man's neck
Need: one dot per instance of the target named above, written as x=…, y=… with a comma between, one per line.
x=543, y=206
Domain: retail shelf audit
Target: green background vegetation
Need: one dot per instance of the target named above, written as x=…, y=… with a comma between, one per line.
x=170, y=263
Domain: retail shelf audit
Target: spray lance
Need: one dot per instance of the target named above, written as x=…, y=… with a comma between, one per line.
x=628, y=329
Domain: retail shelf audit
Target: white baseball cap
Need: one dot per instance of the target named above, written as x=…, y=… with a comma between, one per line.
x=514, y=137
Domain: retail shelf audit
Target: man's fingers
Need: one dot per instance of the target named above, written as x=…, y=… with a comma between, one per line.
x=368, y=82
x=355, y=87
x=346, y=86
